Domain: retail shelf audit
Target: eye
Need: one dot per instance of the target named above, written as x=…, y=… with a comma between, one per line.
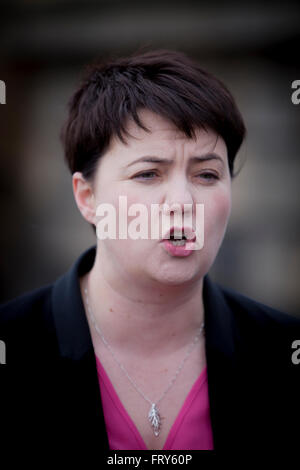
x=208, y=176
x=144, y=174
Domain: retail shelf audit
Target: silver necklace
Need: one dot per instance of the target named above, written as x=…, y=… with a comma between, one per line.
x=153, y=415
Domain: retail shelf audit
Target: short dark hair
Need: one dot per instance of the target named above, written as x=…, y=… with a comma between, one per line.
x=166, y=82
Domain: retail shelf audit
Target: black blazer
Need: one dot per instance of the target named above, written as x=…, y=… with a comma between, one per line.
x=49, y=384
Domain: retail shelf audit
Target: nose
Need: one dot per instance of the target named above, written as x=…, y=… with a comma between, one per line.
x=178, y=199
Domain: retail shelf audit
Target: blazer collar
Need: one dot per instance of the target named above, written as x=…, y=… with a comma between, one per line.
x=72, y=328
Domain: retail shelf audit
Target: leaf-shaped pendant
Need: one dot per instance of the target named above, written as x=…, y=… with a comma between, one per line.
x=154, y=419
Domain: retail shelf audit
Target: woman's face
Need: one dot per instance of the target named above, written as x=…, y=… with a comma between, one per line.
x=183, y=181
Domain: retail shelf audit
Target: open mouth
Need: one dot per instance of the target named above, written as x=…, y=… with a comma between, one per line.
x=178, y=241
x=180, y=236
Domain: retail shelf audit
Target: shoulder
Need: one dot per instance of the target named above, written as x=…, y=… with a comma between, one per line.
x=259, y=327
x=242, y=309
x=27, y=312
x=255, y=311
x=266, y=340
x=27, y=327
x=252, y=322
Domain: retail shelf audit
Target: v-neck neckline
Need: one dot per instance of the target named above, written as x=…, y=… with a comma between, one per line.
x=172, y=432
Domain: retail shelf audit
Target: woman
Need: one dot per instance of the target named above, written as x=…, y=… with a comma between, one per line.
x=135, y=347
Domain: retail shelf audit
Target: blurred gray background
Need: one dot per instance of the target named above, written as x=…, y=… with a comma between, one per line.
x=253, y=47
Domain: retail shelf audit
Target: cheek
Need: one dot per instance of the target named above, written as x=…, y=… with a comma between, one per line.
x=216, y=214
x=122, y=247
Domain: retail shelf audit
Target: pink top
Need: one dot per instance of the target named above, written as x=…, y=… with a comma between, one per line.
x=191, y=429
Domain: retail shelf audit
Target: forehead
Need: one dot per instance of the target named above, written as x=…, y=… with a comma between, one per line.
x=163, y=138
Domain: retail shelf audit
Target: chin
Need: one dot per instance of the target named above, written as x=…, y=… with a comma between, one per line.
x=175, y=277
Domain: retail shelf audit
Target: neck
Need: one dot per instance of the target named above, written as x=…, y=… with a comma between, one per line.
x=145, y=320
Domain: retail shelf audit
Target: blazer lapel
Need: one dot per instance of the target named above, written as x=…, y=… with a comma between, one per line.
x=221, y=366
x=83, y=407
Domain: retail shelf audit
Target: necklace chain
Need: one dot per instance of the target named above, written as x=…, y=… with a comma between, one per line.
x=153, y=416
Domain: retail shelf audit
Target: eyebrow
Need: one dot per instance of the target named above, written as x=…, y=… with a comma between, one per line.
x=167, y=162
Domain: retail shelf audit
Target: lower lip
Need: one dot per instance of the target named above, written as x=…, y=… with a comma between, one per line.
x=178, y=250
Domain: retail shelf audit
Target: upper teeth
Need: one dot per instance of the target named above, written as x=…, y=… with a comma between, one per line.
x=178, y=242
x=172, y=237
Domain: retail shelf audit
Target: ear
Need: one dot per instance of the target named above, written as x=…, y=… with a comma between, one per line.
x=84, y=197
